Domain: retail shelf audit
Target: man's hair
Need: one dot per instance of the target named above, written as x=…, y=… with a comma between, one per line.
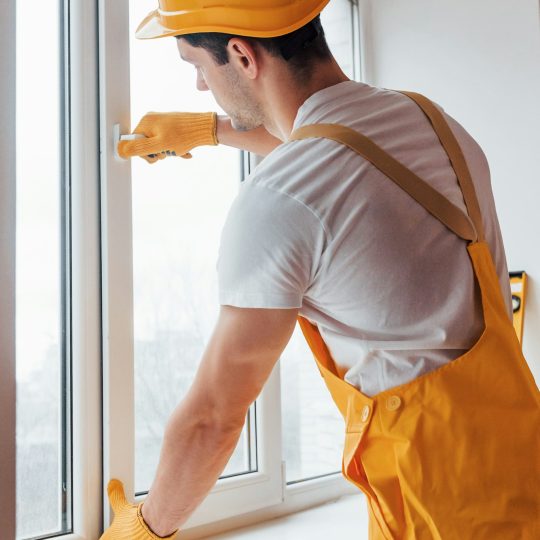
x=301, y=48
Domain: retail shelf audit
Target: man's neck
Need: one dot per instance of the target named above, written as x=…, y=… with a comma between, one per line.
x=285, y=95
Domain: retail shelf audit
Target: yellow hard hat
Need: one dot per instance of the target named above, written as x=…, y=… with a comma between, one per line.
x=256, y=18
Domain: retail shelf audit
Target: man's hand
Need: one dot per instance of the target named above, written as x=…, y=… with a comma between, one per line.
x=173, y=133
x=128, y=523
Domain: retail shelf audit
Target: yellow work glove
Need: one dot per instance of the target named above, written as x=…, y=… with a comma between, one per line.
x=128, y=523
x=173, y=133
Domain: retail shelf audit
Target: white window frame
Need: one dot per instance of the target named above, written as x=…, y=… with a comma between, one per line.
x=231, y=495
x=87, y=473
x=86, y=436
x=86, y=488
x=103, y=421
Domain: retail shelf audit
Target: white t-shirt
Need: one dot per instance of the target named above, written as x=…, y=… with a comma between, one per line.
x=316, y=226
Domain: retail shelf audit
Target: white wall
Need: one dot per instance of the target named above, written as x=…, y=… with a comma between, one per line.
x=479, y=59
x=7, y=270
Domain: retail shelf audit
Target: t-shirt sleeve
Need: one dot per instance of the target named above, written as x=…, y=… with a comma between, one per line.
x=269, y=250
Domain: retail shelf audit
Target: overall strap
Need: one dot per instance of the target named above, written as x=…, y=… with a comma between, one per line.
x=437, y=205
x=455, y=154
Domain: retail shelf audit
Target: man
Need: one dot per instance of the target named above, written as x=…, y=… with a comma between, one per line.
x=382, y=284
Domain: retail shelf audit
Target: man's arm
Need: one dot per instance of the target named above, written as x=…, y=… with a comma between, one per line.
x=258, y=140
x=204, y=428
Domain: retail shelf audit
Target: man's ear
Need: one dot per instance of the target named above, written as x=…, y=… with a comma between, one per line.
x=244, y=56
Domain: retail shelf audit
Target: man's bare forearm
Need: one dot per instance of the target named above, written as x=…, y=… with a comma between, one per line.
x=193, y=455
x=258, y=140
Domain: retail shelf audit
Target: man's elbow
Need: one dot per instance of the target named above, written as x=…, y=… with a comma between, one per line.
x=227, y=418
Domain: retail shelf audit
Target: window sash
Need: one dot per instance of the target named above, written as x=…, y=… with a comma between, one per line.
x=251, y=491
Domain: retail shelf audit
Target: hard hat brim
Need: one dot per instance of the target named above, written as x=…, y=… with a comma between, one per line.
x=153, y=27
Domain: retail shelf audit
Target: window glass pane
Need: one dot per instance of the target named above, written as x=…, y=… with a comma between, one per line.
x=42, y=503
x=179, y=207
x=336, y=19
x=313, y=428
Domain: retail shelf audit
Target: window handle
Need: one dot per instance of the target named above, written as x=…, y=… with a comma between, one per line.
x=117, y=137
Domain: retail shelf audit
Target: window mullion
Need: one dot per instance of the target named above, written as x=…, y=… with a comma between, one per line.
x=82, y=128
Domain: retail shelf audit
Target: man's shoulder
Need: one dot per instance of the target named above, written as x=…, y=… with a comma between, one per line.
x=286, y=158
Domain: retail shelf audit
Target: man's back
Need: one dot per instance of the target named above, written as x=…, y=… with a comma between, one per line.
x=315, y=226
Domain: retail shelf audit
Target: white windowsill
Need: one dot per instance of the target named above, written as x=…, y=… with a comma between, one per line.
x=346, y=517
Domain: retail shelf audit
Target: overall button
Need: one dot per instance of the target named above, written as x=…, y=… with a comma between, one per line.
x=365, y=413
x=393, y=403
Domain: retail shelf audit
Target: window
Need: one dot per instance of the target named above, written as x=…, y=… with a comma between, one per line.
x=116, y=283
x=42, y=338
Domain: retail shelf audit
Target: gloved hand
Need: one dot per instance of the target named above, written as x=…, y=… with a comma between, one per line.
x=128, y=523
x=173, y=133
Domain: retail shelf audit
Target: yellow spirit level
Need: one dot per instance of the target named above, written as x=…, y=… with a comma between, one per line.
x=518, y=286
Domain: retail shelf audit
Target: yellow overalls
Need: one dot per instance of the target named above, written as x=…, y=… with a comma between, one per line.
x=455, y=453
